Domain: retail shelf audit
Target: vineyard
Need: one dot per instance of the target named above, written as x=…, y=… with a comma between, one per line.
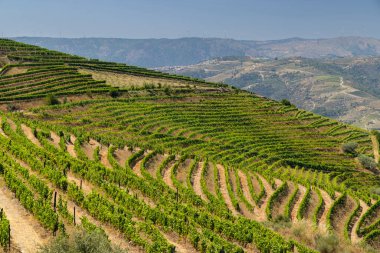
x=166, y=163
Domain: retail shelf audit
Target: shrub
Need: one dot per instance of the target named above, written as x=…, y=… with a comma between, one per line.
x=114, y=93
x=350, y=147
x=376, y=190
x=286, y=102
x=367, y=162
x=51, y=100
x=81, y=241
x=327, y=244
x=12, y=107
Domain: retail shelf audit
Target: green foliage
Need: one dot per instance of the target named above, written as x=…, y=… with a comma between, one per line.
x=51, y=100
x=327, y=244
x=350, y=147
x=4, y=229
x=367, y=162
x=114, y=93
x=81, y=241
x=286, y=102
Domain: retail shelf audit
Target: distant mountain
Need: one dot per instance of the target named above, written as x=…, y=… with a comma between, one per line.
x=347, y=89
x=186, y=51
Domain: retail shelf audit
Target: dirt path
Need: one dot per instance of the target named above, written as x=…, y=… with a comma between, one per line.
x=181, y=245
x=197, y=181
x=122, y=155
x=104, y=157
x=183, y=171
x=12, y=124
x=341, y=215
x=300, y=196
x=71, y=150
x=259, y=211
x=167, y=175
x=354, y=236
x=86, y=186
x=88, y=150
x=153, y=164
x=223, y=189
x=26, y=232
x=210, y=179
x=245, y=188
x=375, y=144
x=268, y=191
x=327, y=203
x=312, y=205
x=30, y=135
x=55, y=139
x=282, y=199
x=137, y=168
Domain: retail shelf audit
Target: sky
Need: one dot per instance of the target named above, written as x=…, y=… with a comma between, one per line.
x=238, y=19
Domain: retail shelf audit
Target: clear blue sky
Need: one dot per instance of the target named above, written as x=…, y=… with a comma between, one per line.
x=239, y=19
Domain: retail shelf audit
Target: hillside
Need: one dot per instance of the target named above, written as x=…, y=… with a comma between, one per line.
x=166, y=163
x=346, y=89
x=186, y=51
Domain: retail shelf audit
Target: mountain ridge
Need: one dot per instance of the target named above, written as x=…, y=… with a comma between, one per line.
x=185, y=51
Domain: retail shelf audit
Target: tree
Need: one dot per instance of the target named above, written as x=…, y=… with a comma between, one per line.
x=350, y=148
x=368, y=162
x=286, y=102
x=51, y=100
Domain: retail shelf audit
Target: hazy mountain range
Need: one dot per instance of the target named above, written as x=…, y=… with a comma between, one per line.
x=185, y=51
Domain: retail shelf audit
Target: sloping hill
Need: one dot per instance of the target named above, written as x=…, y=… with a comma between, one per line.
x=346, y=89
x=177, y=164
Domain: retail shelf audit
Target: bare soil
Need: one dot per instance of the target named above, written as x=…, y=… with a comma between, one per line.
x=300, y=195
x=167, y=175
x=122, y=155
x=281, y=201
x=312, y=205
x=154, y=163
x=183, y=170
x=55, y=139
x=181, y=244
x=223, y=189
x=354, y=236
x=197, y=181
x=210, y=179
x=341, y=214
x=27, y=233
x=30, y=135
x=327, y=205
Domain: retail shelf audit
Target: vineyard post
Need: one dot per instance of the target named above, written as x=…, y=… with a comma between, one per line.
x=177, y=194
x=9, y=236
x=55, y=201
x=1, y=213
x=74, y=217
x=81, y=184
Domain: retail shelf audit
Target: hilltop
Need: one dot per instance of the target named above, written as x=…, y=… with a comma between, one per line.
x=168, y=163
x=186, y=51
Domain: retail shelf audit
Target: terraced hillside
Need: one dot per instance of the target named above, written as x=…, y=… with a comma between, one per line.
x=164, y=163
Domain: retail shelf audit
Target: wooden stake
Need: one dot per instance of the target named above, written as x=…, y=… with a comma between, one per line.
x=81, y=184
x=9, y=237
x=177, y=194
x=74, y=217
x=55, y=202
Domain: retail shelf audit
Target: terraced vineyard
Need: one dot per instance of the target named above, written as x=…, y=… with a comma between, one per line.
x=173, y=165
